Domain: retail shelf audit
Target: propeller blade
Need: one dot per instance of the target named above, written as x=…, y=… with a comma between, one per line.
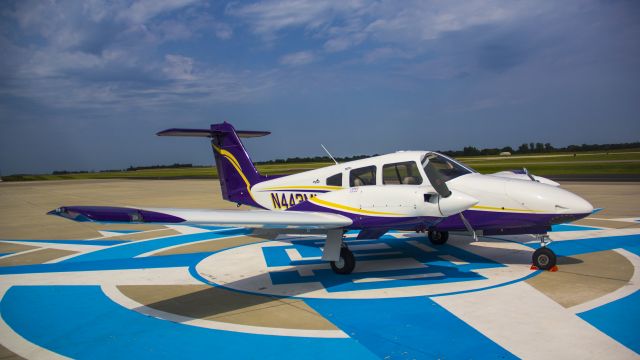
x=436, y=179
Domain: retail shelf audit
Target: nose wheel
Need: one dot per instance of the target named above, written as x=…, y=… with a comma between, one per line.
x=544, y=258
x=345, y=264
x=438, y=237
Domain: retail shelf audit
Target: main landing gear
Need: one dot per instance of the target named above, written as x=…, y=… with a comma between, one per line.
x=346, y=263
x=544, y=258
x=438, y=237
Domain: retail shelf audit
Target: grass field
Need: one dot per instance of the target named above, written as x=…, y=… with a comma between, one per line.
x=621, y=162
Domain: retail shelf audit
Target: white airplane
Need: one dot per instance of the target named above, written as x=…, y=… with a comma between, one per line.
x=421, y=191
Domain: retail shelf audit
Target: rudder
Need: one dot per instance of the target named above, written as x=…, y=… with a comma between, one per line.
x=236, y=171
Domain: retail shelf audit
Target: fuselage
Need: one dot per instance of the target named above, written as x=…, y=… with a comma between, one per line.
x=393, y=192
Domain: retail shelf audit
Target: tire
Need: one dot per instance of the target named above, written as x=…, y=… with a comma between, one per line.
x=544, y=258
x=438, y=237
x=346, y=264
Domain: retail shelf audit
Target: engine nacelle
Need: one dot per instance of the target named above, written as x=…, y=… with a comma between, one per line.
x=398, y=201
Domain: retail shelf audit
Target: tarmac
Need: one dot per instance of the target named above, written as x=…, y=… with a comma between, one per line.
x=83, y=290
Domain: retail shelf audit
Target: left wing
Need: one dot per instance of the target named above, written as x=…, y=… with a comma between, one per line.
x=250, y=219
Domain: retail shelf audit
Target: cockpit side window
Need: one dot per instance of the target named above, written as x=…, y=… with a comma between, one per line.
x=447, y=168
x=363, y=176
x=405, y=173
x=335, y=180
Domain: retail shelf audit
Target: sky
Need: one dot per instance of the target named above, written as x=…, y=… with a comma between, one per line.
x=85, y=85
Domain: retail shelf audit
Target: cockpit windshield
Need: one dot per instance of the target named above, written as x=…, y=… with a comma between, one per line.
x=446, y=167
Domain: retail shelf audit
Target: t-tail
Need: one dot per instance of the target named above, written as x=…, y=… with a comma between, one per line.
x=236, y=171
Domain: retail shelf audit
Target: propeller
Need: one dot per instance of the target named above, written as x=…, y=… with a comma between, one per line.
x=449, y=203
x=436, y=179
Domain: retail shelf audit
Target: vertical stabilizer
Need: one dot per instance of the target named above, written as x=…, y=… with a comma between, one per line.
x=236, y=172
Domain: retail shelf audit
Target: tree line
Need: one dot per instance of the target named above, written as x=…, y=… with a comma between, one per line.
x=538, y=148
x=526, y=148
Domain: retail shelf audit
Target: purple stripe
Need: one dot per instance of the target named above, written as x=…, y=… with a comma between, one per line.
x=485, y=220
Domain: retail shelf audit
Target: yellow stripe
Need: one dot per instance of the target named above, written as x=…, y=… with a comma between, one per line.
x=232, y=158
x=304, y=188
x=236, y=165
x=492, y=208
x=349, y=208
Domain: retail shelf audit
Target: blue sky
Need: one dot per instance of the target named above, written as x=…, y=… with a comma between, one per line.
x=85, y=85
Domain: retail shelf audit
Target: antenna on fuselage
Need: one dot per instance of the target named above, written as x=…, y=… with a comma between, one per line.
x=328, y=153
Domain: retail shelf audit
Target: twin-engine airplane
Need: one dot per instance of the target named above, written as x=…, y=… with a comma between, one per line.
x=421, y=191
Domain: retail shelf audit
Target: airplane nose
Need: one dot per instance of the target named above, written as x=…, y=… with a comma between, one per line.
x=536, y=196
x=574, y=204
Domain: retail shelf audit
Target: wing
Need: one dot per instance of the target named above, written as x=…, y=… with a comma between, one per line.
x=250, y=219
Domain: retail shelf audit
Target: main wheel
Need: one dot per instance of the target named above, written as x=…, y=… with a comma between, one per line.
x=345, y=264
x=544, y=258
x=438, y=237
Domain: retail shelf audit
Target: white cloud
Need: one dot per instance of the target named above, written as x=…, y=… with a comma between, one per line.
x=178, y=67
x=298, y=58
x=142, y=10
x=345, y=24
x=223, y=31
x=268, y=17
x=384, y=53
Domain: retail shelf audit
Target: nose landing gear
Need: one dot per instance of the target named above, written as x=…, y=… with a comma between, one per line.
x=544, y=258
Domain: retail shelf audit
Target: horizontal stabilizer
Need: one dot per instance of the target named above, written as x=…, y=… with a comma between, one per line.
x=250, y=219
x=209, y=133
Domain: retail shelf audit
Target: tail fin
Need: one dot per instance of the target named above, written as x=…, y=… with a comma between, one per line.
x=236, y=171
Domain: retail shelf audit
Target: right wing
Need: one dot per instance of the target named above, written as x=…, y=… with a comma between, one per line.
x=251, y=219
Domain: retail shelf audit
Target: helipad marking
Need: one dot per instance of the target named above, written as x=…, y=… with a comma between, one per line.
x=113, y=293
x=627, y=289
x=19, y=345
x=398, y=277
x=556, y=333
x=87, y=318
x=397, y=269
x=421, y=246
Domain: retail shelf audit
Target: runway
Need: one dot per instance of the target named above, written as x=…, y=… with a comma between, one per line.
x=95, y=291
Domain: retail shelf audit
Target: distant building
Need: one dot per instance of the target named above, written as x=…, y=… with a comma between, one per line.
x=505, y=153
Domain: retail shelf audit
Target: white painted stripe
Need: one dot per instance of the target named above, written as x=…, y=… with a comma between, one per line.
x=19, y=345
x=294, y=255
x=185, y=229
x=452, y=259
x=118, y=297
x=629, y=288
x=121, y=234
x=630, y=220
x=369, y=246
x=398, y=277
x=155, y=276
x=590, y=234
x=59, y=246
x=153, y=252
x=20, y=253
x=110, y=233
x=504, y=315
x=381, y=253
x=421, y=246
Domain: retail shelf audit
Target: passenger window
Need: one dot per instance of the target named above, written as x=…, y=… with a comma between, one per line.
x=363, y=176
x=335, y=180
x=405, y=173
